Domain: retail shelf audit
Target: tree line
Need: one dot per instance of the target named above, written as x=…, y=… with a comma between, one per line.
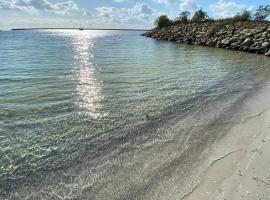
x=260, y=15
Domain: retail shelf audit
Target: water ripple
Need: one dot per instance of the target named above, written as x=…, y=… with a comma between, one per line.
x=98, y=114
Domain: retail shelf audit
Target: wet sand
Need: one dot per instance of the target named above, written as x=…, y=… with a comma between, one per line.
x=239, y=165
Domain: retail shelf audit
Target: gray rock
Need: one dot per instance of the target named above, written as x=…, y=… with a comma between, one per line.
x=250, y=37
x=267, y=53
x=247, y=42
x=225, y=42
x=265, y=44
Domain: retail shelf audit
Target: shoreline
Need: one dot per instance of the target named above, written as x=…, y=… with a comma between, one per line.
x=241, y=36
x=237, y=166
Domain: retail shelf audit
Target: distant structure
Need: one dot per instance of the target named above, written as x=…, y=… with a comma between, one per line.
x=81, y=28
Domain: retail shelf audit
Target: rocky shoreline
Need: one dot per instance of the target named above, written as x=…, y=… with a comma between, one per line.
x=241, y=36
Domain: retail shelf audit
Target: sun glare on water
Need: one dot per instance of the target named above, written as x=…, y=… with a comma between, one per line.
x=88, y=86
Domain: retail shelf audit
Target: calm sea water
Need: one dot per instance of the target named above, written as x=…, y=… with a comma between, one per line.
x=112, y=114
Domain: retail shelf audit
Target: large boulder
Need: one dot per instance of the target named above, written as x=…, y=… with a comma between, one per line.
x=225, y=42
x=265, y=44
x=247, y=42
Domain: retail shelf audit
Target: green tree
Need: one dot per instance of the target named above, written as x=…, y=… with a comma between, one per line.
x=262, y=13
x=200, y=16
x=163, y=21
x=183, y=16
x=246, y=15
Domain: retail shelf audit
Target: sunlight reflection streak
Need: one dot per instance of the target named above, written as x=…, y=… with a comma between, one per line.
x=88, y=87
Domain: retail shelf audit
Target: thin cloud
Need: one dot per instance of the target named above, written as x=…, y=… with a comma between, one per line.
x=137, y=14
x=35, y=6
x=120, y=1
x=167, y=1
x=188, y=5
x=223, y=9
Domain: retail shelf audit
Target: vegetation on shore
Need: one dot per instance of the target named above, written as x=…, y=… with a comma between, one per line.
x=260, y=15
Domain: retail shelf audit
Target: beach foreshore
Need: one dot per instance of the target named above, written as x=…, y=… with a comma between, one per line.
x=238, y=166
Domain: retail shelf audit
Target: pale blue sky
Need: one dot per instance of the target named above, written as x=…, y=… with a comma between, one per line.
x=108, y=13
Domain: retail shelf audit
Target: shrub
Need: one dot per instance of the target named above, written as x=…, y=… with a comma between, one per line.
x=262, y=13
x=163, y=21
x=200, y=16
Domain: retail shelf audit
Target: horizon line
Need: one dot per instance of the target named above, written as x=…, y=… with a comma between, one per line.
x=108, y=29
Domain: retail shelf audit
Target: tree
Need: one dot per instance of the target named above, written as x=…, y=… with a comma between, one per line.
x=262, y=13
x=200, y=16
x=163, y=21
x=183, y=16
x=244, y=16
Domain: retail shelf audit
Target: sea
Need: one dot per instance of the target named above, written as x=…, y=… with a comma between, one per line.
x=113, y=115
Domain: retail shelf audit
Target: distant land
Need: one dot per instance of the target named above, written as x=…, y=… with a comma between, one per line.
x=107, y=29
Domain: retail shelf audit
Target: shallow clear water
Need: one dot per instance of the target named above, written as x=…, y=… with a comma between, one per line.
x=112, y=114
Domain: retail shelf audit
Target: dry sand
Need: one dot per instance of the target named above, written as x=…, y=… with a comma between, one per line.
x=239, y=164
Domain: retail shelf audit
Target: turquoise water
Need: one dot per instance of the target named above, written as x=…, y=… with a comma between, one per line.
x=112, y=114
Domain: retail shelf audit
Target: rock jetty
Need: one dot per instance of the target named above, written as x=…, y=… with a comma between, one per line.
x=241, y=36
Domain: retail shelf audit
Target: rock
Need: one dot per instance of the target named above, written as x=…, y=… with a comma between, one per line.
x=225, y=42
x=236, y=47
x=258, y=50
x=249, y=34
x=234, y=44
x=247, y=42
x=234, y=39
x=253, y=49
x=256, y=44
x=265, y=44
x=249, y=37
x=244, y=48
x=259, y=31
x=267, y=53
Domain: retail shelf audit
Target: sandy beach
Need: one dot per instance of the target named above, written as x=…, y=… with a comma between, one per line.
x=239, y=165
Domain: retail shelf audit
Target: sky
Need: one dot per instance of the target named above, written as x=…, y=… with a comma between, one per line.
x=109, y=13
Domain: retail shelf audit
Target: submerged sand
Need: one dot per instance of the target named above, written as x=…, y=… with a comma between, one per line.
x=239, y=164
